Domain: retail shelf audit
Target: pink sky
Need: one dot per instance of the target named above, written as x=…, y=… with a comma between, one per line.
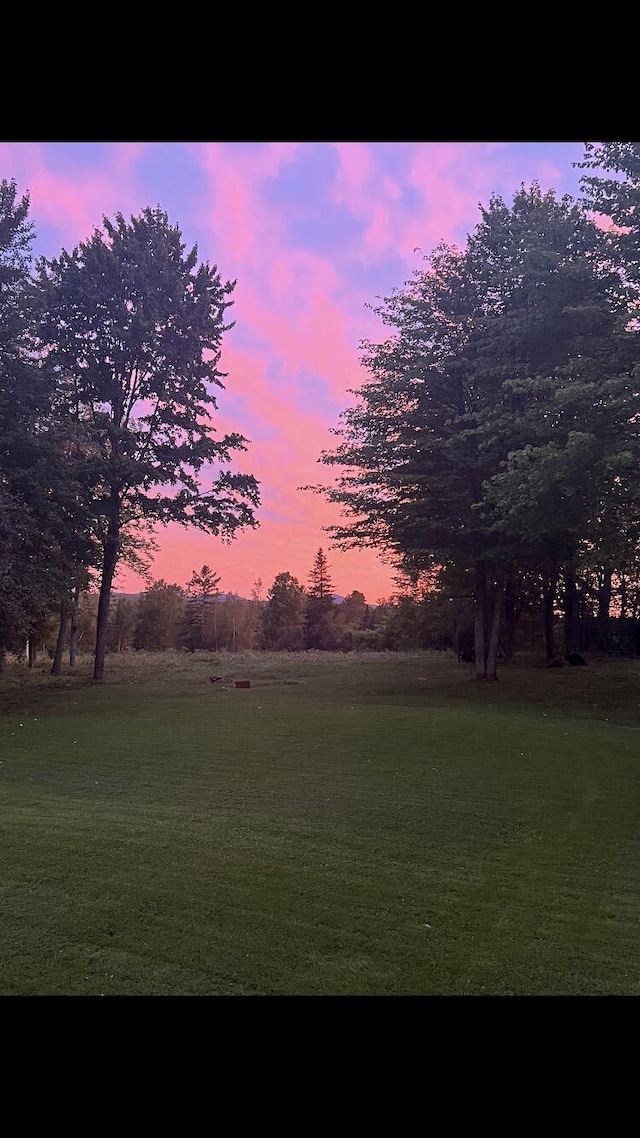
x=312, y=232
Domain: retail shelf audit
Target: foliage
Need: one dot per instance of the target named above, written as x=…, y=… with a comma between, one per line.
x=612, y=190
x=497, y=420
x=203, y=583
x=238, y=620
x=283, y=615
x=319, y=622
x=160, y=610
x=123, y=618
x=194, y=630
x=27, y=474
x=133, y=329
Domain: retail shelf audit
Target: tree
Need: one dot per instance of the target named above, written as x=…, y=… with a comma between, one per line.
x=504, y=359
x=124, y=616
x=23, y=400
x=613, y=191
x=283, y=614
x=46, y=538
x=203, y=583
x=202, y=588
x=353, y=613
x=133, y=328
x=320, y=584
x=237, y=620
x=319, y=629
x=160, y=610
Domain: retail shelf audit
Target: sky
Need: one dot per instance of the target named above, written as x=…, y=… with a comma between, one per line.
x=313, y=233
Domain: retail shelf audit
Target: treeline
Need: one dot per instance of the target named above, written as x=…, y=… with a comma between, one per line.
x=428, y=612
x=495, y=446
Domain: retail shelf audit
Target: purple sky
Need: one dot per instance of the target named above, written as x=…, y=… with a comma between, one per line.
x=312, y=232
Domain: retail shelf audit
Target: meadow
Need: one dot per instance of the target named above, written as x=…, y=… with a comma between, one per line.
x=375, y=824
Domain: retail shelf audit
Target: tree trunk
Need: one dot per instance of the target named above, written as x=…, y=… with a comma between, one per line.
x=456, y=631
x=3, y=660
x=494, y=635
x=488, y=616
x=108, y=572
x=479, y=620
x=512, y=610
x=570, y=611
x=62, y=636
x=32, y=650
x=73, y=628
x=604, y=605
x=549, y=601
x=623, y=596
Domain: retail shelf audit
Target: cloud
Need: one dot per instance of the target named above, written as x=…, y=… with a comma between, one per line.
x=312, y=232
x=71, y=201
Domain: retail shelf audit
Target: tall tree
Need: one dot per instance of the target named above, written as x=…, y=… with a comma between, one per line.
x=134, y=329
x=38, y=490
x=502, y=358
x=21, y=396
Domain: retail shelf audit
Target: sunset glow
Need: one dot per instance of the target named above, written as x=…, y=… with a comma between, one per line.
x=313, y=233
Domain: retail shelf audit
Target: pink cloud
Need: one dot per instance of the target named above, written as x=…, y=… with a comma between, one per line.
x=291, y=297
x=75, y=203
x=243, y=227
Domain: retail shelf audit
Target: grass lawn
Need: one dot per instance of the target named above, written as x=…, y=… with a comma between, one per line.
x=350, y=825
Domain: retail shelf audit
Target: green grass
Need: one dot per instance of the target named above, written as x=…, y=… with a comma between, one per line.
x=351, y=825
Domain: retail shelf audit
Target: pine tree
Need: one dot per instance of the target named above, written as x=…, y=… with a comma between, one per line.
x=320, y=584
x=201, y=590
x=319, y=625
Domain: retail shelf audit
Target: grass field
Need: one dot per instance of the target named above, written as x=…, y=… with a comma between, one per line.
x=350, y=825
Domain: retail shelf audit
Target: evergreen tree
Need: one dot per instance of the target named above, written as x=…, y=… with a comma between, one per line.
x=43, y=503
x=199, y=612
x=203, y=583
x=319, y=624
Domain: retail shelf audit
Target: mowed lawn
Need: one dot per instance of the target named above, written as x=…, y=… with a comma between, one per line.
x=350, y=825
